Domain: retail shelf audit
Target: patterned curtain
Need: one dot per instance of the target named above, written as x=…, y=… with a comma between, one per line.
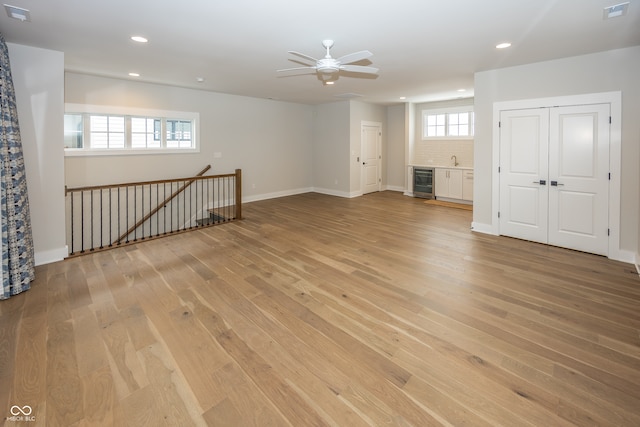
x=17, y=241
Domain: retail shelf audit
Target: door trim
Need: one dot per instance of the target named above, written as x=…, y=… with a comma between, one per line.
x=615, y=156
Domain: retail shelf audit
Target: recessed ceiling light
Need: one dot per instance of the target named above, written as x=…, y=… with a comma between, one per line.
x=329, y=83
x=462, y=90
x=134, y=74
x=403, y=97
x=615, y=10
x=18, y=13
x=503, y=45
x=200, y=79
x=139, y=39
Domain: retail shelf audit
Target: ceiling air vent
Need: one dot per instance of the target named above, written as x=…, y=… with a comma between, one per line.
x=349, y=95
x=18, y=13
x=615, y=10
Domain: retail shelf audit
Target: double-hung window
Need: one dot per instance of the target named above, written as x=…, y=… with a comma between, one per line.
x=448, y=123
x=99, y=130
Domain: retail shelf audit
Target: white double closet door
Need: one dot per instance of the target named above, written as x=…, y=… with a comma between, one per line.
x=554, y=176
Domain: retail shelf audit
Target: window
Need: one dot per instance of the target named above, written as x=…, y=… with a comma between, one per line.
x=73, y=130
x=145, y=132
x=106, y=131
x=98, y=130
x=436, y=125
x=178, y=133
x=452, y=123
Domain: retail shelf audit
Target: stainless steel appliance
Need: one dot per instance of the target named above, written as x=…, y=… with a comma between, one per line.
x=423, y=182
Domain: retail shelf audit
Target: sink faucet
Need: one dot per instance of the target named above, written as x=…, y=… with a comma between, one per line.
x=455, y=160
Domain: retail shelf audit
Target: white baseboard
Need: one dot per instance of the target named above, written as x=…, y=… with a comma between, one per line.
x=638, y=263
x=331, y=192
x=482, y=228
x=327, y=191
x=624, y=256
x=53, y=255
x=266, y=196
x=394, y=188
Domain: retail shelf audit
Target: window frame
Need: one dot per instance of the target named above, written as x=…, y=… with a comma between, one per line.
x=446, y=111
x=128, y=112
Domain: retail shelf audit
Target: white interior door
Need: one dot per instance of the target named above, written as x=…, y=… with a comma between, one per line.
x=579, y=177
x=371, y=157
x=524, y=194
x=554, y=176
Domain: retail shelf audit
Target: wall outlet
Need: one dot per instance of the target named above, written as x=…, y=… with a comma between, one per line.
x=335, y=182
x=253, y=186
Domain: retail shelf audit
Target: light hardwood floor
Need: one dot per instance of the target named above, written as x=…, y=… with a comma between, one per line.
x=316, y=310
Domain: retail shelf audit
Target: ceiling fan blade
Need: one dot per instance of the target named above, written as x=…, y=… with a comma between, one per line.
x=359, y=69
x=355, y=57
x=302, y=55
x=296, y=69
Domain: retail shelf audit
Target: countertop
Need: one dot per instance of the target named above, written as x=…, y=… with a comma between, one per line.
x=443, y=167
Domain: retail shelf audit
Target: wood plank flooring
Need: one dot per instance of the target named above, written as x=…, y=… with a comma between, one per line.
x=317, y=310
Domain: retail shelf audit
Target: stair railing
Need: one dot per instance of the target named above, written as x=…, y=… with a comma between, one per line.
x=107, y=216
x=160, y=206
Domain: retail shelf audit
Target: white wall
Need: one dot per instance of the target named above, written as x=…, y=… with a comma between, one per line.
x=331, y=148
x=271, y=141
x=616, y=70
x=395, y=171
x=38, y=78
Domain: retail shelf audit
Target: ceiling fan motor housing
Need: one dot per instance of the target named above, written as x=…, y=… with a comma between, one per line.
x=327, y=66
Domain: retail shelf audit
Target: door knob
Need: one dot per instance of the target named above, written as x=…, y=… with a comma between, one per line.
x=556, y=184
x=541, y=182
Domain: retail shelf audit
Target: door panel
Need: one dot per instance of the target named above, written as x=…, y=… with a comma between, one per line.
x=442, y=183
x=568, y=221
x=371, y=158
x=578, y=204
x=523, y=209
x=523, y=153
x=467, y=185
x=455, y=183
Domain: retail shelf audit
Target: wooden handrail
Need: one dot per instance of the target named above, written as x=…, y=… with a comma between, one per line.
x=131, y=184
x=160, y=205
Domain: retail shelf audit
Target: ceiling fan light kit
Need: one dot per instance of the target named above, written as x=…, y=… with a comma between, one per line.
x=329, y=68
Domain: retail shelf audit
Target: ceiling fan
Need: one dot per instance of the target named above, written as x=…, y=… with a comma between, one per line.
x=328, y=68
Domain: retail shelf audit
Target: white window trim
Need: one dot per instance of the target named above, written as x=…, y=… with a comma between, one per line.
x=70, y=108
x=460, y=109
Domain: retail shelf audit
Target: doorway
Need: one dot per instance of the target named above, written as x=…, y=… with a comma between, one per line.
x=563, y=222
x=554, y=178
x=371, y=157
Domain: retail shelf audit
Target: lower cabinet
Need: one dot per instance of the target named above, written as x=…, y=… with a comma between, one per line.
x=454, y=183
x=467, y=185
x=449, y=183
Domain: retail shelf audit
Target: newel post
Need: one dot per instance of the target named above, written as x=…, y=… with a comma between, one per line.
x=238, y=193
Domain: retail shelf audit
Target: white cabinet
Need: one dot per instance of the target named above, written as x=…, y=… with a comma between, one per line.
x=467, y=185
x=449, y=183
x=454, y=183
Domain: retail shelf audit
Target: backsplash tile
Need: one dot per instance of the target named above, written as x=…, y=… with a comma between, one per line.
x=439, y=152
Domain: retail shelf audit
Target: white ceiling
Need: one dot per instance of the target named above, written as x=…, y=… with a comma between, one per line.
x=426, y=50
